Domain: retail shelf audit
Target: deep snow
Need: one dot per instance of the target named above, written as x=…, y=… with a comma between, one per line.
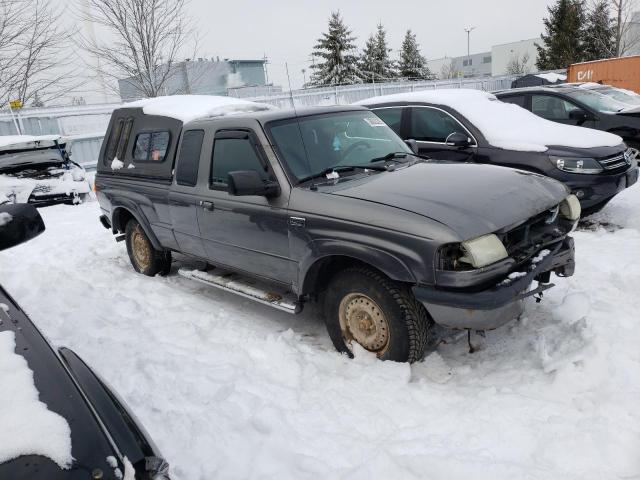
x=232, y=389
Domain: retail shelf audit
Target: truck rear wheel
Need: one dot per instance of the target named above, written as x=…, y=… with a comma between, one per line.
x=367, y=308
x=143, y=256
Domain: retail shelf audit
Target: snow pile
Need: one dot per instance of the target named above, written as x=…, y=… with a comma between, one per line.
x=191, y=107
x=116, y=164
x=229, y=388
x=552, y=77
x=27, y=427
x=18, y=142
x=505, y=125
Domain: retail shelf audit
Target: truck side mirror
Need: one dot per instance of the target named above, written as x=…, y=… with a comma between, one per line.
x=18, y=223
x=457, y=139
x=249, y=182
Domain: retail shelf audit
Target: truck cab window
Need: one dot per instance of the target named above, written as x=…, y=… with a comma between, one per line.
x=113, y=141
x=187, y=169
x=151, y=147
x=234, y=154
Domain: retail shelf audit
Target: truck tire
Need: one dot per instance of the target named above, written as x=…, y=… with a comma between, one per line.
x=143, y=256
x=366, y=307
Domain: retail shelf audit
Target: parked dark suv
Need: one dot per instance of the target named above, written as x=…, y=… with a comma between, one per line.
x=473, y=126
x=585, y=105
x=330, y=205
x=106, y=442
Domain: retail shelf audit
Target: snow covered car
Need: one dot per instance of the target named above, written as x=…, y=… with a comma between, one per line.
x=329, y=205
x=58, y=418
x=37, y=170
x=473, y=126
x=591, y=105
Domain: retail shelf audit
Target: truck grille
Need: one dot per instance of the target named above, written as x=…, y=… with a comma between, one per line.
x=613, y=163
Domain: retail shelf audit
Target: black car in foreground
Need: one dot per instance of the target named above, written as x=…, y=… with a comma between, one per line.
x=106, y=442
x=330, y=206
x=473, y=126
x=590, y=105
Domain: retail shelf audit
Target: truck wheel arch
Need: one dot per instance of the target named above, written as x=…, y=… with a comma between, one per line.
x=121, y=216
x=317, y=271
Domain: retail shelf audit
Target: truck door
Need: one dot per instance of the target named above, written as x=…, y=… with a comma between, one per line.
x=183, y=197
x=247, y=233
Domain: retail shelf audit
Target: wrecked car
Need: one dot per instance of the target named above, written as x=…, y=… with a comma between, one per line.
x=38, y=170
x=328, y=206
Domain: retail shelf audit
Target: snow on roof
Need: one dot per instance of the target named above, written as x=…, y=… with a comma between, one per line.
x=552, y=77
x=191, y=107
x=18, y=142
x=505, y=125
x=28, y=427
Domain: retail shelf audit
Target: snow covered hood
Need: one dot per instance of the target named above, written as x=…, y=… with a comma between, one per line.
x=23, y=142
x=191, y=107
x=28, y=426
x=505, y=125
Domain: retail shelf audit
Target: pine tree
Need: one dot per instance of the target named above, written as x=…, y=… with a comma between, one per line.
x=562, y=44
x=338, y=64
x=412, y=64
x=599, y=33
x=376, y=62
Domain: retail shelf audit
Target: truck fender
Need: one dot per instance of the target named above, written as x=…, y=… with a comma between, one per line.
x=133, y=211
x=321, y=250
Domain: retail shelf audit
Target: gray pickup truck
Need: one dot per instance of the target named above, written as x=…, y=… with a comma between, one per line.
x=329, y=205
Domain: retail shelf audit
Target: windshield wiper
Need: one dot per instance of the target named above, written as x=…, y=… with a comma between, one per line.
x=343, y=168
x=390, y=156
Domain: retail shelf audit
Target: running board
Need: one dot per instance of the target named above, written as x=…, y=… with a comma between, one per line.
x=234, y=283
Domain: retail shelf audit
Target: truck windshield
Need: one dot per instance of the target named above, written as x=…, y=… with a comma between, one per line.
x=312, y=145
x=598, y=101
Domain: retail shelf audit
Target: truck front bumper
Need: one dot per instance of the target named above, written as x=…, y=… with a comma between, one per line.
x=493, y=307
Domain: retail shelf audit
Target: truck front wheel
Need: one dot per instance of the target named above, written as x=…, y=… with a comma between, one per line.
x=144, y=257
x=365, y=307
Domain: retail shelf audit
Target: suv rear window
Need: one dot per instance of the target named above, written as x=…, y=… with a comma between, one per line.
x=151, y=146
x=189, y=158
x=390, y=116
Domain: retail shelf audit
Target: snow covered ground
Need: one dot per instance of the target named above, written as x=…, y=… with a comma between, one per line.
x=231, y=389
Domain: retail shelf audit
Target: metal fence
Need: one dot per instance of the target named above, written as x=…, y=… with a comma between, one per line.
x=345, y=94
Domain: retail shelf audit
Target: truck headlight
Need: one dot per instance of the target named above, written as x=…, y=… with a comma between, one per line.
x=570, y=208
x=576, y=165
x=482, y=251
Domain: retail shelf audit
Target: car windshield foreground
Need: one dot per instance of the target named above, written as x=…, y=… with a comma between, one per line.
x=314, y=145
x=385, y=245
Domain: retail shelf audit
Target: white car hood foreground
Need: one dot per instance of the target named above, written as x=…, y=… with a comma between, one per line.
x=505, y=125
x=18, y=190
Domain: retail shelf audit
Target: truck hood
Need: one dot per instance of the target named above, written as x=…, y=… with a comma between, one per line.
x=470, y=199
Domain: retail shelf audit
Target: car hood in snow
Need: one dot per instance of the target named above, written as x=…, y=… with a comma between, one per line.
x=471, y=199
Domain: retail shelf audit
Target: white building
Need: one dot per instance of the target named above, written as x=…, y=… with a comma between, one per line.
x=503, y=54
x=633, y=35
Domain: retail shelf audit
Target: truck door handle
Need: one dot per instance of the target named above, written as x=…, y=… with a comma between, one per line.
x=206, y=205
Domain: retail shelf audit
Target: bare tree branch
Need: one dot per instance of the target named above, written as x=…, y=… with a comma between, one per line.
x=627, y=38
x=142, y=42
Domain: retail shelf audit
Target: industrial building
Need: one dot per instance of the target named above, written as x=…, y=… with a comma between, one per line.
x=203, y=77
x=486, y=64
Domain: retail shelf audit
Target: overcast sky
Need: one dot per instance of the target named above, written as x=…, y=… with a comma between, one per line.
x=286, y=30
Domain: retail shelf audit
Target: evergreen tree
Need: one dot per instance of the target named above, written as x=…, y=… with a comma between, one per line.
x=375, y=62
x=412, y=64
x=338, y=64
x=562, y=44
x=599, y=33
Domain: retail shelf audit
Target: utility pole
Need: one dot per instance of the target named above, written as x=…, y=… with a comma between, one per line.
x=469, y=30
x=304, y=76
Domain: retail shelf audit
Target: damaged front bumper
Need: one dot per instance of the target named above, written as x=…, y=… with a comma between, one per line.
x=493, y=307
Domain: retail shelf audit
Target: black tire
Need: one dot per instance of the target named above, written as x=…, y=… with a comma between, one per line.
x=407, y=321
x=142, y=254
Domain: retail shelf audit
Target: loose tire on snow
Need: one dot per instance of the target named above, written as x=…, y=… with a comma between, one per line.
x=143, y=256
x=381, y=315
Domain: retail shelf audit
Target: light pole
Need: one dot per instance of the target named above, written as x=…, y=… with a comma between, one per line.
x=469, y=30
x=304, y=76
